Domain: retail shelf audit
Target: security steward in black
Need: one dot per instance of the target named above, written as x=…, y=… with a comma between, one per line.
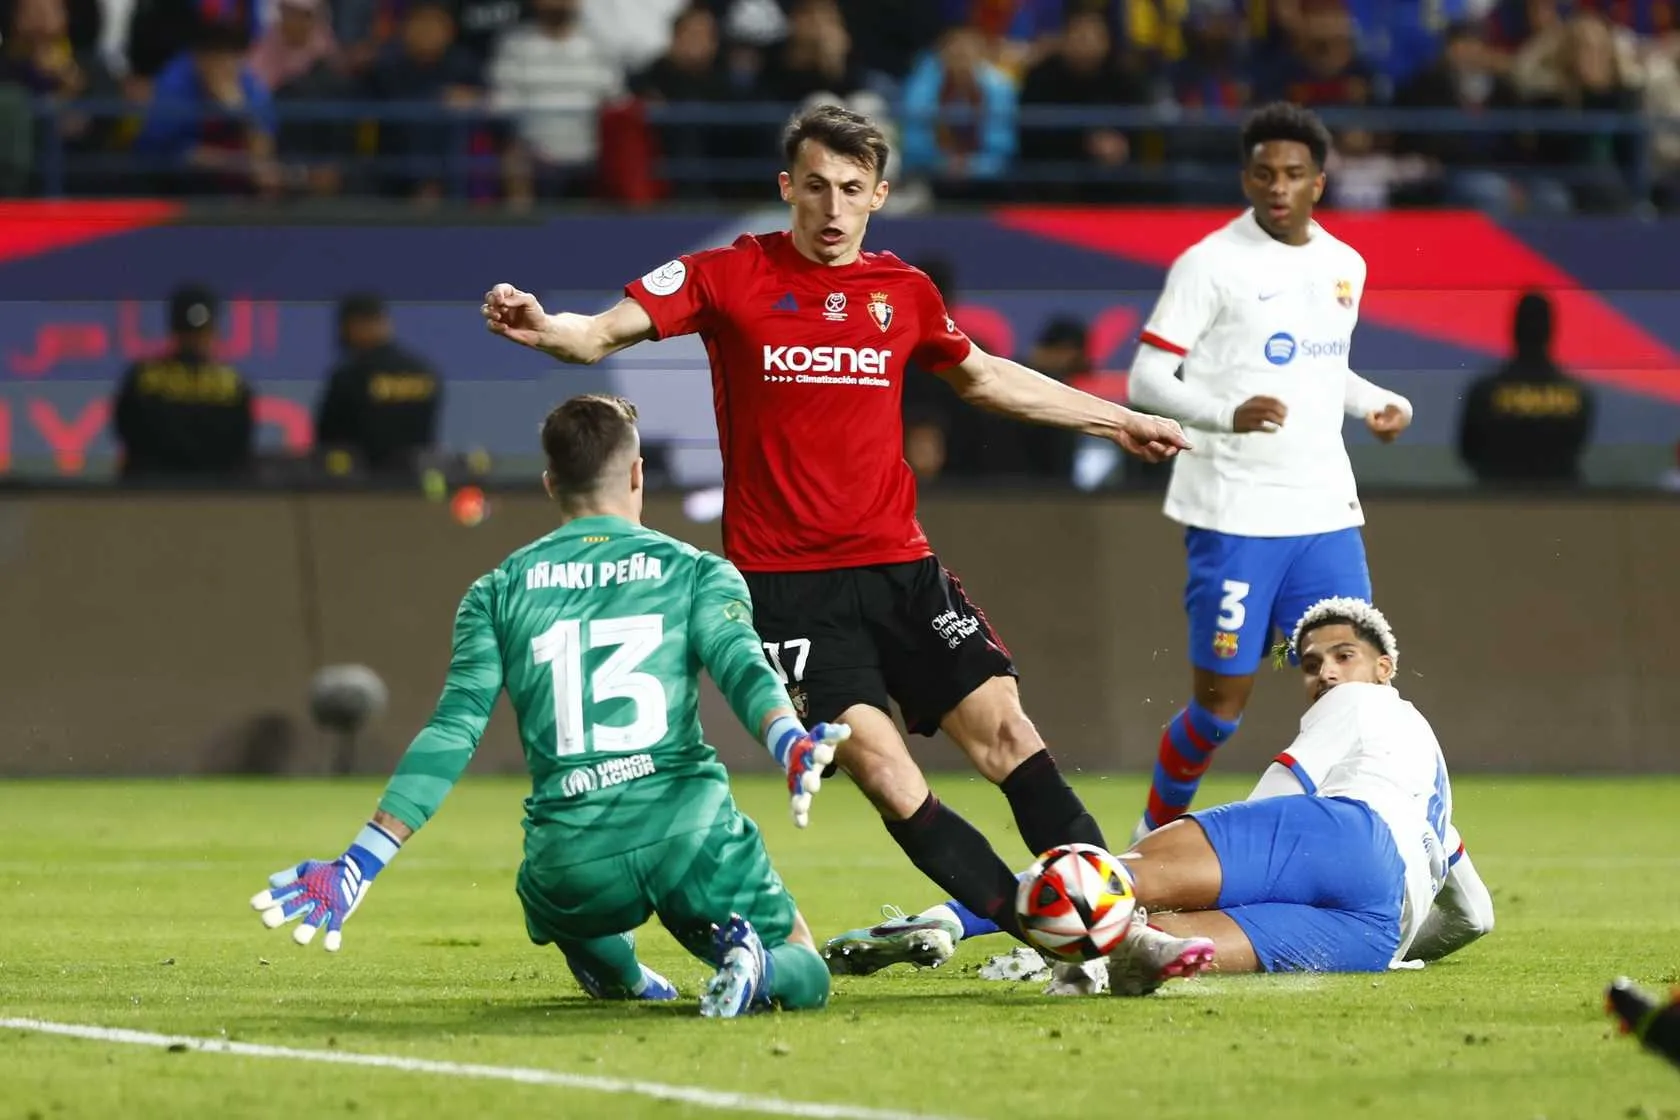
x=184, y=414
x=381, y=401
x=1528, y=422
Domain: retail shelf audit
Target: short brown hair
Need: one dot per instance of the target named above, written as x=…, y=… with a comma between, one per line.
x=581, y=438
x=842, y=132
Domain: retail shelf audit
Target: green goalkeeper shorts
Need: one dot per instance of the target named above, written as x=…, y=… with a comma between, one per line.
x=692, y=881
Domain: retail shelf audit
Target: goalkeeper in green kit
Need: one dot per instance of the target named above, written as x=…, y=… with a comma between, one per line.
x=599, y=632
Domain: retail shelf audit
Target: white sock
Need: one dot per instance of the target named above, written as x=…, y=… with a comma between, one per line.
x=943, y=913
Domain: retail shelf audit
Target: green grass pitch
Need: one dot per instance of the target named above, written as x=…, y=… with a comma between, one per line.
x=123, y=904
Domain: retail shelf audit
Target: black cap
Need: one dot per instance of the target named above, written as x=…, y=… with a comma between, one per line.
x=360, y=305
x=193, y=307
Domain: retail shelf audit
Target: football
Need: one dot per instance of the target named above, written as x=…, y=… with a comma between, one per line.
x=1076, y=903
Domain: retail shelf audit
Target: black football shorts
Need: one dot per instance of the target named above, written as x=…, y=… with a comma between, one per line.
x=904, y=632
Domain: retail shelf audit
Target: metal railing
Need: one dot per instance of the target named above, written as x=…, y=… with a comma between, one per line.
x=462, y=143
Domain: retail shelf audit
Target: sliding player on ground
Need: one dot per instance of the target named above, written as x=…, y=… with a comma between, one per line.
x=1344, y=858
x=809, y=338
x=598, y=631
x=1259, y=315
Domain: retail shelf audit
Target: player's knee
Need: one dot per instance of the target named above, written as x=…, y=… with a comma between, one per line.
x=888, y=777
x=1009, y=740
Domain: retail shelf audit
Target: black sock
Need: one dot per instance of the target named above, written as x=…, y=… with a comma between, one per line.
x=953, y=853
x=1046, y=810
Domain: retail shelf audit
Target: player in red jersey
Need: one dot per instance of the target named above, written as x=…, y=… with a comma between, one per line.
x=809, y=337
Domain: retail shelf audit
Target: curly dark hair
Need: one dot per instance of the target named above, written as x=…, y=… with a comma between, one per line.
x=1284, y=120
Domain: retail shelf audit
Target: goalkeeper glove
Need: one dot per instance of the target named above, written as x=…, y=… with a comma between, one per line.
x=325, y=893
x=803, y=755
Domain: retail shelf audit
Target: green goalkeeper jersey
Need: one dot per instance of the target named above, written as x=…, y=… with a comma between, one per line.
x=598, y=632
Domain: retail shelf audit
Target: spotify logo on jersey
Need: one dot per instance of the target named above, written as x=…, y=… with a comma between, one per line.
x=1280, y=348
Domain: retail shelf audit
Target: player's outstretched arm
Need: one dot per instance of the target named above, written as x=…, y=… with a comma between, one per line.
x=1011, y=389
x=721, y=631
x=324, y=893
x=577, y=339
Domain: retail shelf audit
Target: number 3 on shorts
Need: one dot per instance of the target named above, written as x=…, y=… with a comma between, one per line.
x=1232, y=612
x=801, y=650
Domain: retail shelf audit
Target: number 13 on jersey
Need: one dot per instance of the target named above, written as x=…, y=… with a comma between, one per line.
x=632, y=639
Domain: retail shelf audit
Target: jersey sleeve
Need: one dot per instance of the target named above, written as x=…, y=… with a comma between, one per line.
x=721, y=630
x=1187, y=307
x=438, y=755
x=681, y=295
x=939, y=344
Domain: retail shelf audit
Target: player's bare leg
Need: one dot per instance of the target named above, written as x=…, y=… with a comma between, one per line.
x=1233, y=952
x=1216, y=707
x=1175, y=868
x=991, y=728
x=942, y=845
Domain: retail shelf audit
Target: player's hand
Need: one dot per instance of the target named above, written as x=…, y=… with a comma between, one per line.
x=804, y=754
x=1154, y=439
x=1389, y=423
x=1260, y=414
x=324, y=894
x=515, y=315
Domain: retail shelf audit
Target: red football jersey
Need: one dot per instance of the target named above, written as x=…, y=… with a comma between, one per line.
x=807, y=379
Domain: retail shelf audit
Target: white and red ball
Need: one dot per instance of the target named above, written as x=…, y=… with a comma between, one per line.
x=1076, y=903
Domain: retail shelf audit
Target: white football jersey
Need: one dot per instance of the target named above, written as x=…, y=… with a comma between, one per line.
x=1364, y=742
x=1252, y=316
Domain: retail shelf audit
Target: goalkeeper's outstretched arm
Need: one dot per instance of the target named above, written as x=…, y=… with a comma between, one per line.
x=325, y=893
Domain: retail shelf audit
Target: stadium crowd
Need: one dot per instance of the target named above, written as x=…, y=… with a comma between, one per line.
x=516, y=101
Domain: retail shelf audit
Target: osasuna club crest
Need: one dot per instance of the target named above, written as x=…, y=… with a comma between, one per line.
x=880, y=310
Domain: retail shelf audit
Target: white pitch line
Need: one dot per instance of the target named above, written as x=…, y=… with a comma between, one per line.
x=685, y=1094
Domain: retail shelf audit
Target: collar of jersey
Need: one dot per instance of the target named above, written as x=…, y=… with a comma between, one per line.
x=790, y=255
x=596, y=524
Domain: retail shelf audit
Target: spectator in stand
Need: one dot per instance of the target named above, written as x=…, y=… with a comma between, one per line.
x=298, y=42
x=1662, y=105
x=1527, y=422
x=816, y=58
x=38, y=55
x=481, y=24
x=959, y=117
x=1213, y=75
x=1017, y=33
x=554, y=79
x=1322, y=66
x=1583, y=64
x=424, y=64
x=691, y=71
x=1082, y=72
x=298, y=59
x=211, y=122
x=633, y=33
x=161, y=31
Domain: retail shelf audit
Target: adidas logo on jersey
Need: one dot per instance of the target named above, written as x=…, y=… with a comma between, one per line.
x=826, y=359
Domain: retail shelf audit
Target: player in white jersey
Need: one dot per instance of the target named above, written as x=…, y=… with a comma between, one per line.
x=1258, y=319
x=1343, y=858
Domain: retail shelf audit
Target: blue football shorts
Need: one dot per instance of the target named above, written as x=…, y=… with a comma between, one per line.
x=1241, y=589
x=1316, y=883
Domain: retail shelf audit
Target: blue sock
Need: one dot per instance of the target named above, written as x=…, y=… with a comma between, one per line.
x=973, y=925
x=1186, y=750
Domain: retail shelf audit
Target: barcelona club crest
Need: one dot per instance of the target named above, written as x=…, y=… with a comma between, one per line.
x=880, y=310
x=1224, y=644
x=1344, y=292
